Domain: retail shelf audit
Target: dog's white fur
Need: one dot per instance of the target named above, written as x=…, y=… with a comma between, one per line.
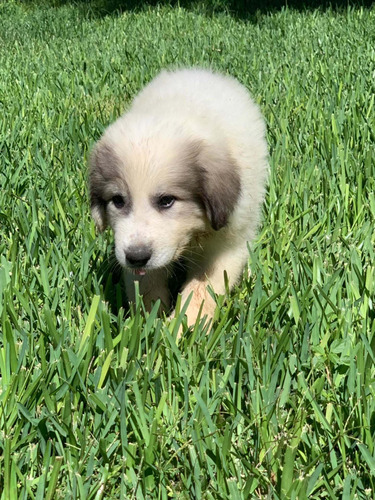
x=196, y=136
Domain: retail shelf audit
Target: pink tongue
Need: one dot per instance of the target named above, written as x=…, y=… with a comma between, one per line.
x=140, y=272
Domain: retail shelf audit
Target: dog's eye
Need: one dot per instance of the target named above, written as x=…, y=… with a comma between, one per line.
x=166, y=201
x=118, y=201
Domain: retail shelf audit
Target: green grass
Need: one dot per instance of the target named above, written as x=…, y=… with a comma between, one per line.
x=278, y=401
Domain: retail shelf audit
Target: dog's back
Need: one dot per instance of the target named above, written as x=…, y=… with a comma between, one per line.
x=205, y=95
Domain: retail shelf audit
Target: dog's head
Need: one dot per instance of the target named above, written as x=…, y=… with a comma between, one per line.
x=158, y=190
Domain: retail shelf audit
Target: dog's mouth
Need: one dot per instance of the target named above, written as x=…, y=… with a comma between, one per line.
x=139, y=272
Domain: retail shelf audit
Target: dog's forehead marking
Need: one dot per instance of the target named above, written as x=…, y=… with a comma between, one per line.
x=148, y=173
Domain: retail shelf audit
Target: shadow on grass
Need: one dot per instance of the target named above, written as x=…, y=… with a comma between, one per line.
x=111, y=279
x=245, y=9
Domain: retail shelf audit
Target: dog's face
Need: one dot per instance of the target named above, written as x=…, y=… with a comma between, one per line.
x=158, y=192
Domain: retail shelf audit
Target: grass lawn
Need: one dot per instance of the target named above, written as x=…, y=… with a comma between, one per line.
x=278, y=401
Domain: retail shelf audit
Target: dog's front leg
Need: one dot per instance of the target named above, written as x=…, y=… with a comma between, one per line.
x=233, y=261
x=152, y=286
x=197, y=288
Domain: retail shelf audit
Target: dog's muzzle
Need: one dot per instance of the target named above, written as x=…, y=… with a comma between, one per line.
x=136, y=258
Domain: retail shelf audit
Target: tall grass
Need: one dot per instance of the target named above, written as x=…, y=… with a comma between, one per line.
x=277, y=401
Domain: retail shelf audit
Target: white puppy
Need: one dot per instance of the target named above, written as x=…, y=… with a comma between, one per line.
x=180, y=178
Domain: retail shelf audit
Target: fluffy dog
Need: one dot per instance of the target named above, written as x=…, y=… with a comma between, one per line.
x=180, y=178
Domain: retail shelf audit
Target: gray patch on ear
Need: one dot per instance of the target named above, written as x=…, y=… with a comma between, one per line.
x=104, y=166
x=220, y=183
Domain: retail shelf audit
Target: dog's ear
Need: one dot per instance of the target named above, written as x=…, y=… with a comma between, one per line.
x=103, y=166
x=220, y=183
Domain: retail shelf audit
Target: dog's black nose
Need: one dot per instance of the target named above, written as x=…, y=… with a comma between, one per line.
x=138, y=256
